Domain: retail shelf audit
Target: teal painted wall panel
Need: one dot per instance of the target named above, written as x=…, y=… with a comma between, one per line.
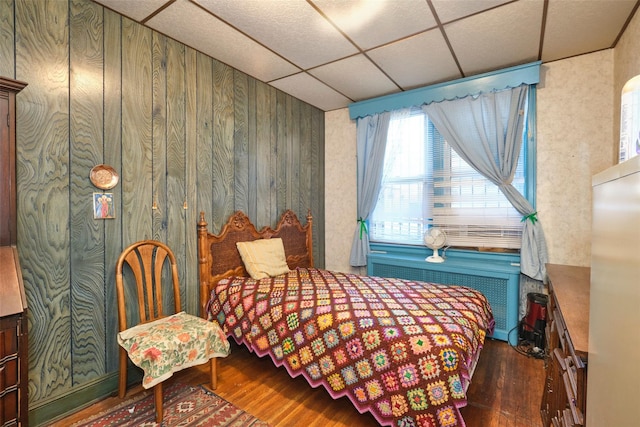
x=184, y=132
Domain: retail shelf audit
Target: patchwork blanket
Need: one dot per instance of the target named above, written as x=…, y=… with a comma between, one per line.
x=403, y=350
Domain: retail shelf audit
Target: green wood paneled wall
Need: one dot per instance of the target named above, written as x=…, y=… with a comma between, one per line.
x=185, y=132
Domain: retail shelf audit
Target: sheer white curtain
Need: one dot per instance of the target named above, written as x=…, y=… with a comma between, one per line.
x=486, y=131
x=371, y=140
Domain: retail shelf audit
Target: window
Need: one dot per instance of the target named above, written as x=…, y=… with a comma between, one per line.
x=425, y=183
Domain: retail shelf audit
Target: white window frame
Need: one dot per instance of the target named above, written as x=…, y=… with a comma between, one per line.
x=485, y=231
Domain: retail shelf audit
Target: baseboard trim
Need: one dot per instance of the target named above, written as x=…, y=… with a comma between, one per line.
x=52, y=409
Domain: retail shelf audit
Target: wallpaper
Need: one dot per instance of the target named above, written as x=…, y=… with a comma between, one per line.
x=575, y=118
x=340, y=189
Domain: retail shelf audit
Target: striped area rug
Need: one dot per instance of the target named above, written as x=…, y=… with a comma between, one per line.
x=183, y=406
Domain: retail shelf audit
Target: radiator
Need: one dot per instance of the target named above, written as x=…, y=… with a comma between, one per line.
x=498, y=280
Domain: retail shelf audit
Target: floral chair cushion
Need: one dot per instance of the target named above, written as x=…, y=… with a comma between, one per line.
x=171, y=344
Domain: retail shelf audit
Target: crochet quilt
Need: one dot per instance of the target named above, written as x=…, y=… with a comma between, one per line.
x=403, y=350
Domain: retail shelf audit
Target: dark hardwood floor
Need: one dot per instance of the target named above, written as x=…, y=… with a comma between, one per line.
x=505, y=391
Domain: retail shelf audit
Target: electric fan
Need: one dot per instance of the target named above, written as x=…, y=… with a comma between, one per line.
x=435, y=238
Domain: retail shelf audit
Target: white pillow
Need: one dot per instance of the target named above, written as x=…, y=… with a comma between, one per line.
x=263, y=257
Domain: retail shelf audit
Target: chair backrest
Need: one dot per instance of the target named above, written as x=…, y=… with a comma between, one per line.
x=147, y=260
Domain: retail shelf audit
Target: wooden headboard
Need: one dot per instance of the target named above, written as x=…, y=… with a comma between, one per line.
x=218, y=255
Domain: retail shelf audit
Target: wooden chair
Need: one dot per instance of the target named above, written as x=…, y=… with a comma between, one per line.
x=160, y=329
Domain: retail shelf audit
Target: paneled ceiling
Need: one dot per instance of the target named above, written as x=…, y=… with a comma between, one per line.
x=330, y=53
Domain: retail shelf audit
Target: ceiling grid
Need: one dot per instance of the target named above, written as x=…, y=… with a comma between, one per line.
x=330, y=53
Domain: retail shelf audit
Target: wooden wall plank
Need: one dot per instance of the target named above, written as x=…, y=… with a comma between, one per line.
x=87, y=233
x=112, y=156
x=282, y=147
x=273, y=147
x=7, y=39
x=204, y=126
x=223, y=127
x=305, y=194
x=317, y=185
x=252, y=153
x=42, y=60
x=264, y=154
x=289, y=146
x=191, y=277
x=137, y=163
x=174, y=158
x=293, y=153
x=159, y=119
x=241, y=141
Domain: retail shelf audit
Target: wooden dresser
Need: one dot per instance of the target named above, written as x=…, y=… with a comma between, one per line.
x=14, y=402
x=13, y=341
x=565, y=393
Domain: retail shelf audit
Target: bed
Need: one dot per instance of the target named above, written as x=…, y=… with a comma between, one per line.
x=403, y=350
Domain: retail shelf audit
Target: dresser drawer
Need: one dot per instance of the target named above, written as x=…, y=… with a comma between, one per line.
x=9, y=369
x=567, y=419
x=573, y=414
x=575, y=378
x=561, y=329
x=551, y=337
x=563, y=419
x=9, y=336
x=9, y=401
x=10, y=372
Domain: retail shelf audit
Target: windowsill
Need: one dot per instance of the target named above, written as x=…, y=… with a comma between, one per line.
x=458, y=254
x=491, y=250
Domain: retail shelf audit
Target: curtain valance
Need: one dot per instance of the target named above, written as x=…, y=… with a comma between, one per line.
x=487, y=82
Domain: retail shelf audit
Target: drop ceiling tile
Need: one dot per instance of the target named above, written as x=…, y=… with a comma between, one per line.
x=137, y=10
x=449, y=10
x=292, y=28
x=356, y=77
x=374, y=23
x=593, y=26
x=310, y=90
x=497, y=38
x=220, y=41
x=417, y=61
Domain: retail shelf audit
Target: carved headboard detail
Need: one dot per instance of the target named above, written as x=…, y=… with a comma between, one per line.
x=218, y=256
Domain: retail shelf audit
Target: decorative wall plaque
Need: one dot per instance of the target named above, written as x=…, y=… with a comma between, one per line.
x=104, y=177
